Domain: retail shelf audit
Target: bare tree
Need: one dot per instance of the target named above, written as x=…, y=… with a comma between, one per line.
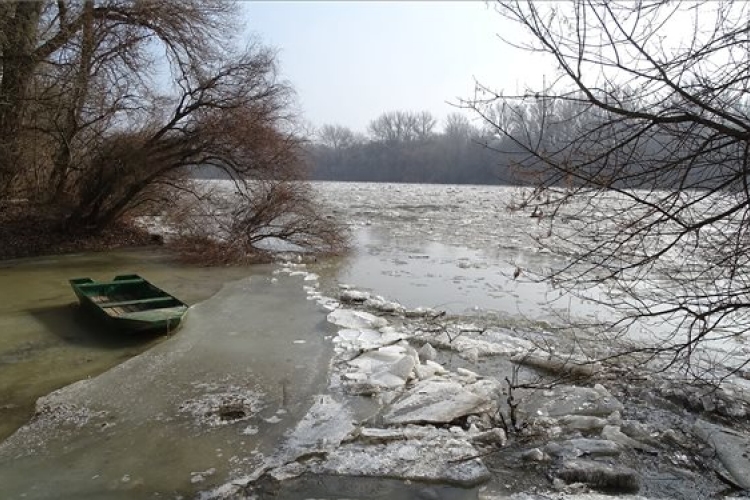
x=402, y=126
x=643, y=141
x=336, y=137
x=115, y=143
x=230, y=120
x=84, y=36
x=458, y=127
x=424, y=125
x=18, y=23
x=249, y=221
x=386, y=128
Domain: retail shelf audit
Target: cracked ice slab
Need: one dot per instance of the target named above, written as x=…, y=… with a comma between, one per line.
x=384, y=368
x=570, y=400
x=436, y=456
x=437, y=401
x=325, y=425
x=732, y=447
x=347, y=318
x=489, y=343
x=366, y=338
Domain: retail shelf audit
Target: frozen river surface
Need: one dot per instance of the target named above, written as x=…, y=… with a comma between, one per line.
x=453, y=248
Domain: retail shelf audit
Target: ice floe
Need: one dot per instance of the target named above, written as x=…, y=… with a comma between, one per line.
x=349, y=318
x=469, y=338
x=732, y=448
x=570, y=400
x=353, y=296
x=437, y=455
x=441, y=401
x=386, y=367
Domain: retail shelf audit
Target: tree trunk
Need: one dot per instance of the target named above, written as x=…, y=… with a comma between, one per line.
x=18, y=66
x=70, y=126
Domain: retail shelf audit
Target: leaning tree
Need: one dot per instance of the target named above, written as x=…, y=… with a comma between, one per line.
x=68, y=65
x=112, y=107
x=639, y=144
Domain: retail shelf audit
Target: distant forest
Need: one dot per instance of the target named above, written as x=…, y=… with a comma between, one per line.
x=403, y=146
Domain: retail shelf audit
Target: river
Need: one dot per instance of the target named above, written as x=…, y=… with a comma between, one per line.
x=152, y=426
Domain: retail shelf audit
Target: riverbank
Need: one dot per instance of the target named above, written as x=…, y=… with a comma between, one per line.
x=185, y=414
x=411, y=400
x=30, y=231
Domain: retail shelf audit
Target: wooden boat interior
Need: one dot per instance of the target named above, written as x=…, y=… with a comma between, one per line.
x=121, y=297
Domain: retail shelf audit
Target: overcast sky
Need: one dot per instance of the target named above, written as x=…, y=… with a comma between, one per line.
x=351, y=61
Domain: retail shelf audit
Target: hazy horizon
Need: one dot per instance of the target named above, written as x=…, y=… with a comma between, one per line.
x=351, y=61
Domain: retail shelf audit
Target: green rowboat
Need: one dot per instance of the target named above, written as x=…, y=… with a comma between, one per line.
x=130, y=304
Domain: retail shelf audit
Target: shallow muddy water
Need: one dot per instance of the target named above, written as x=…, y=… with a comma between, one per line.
x=180, y=418
x=46, y=343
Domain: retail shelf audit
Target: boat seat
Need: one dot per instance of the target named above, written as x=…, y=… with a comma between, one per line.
x=108, y=283
x=123, y=303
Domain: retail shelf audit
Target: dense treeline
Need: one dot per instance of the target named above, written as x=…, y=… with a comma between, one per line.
x=406, y=147
x=568, y=130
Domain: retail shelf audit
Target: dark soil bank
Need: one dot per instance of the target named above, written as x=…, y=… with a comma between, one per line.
x=28, y=230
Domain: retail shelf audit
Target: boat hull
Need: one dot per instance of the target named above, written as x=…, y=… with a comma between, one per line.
x=130, y=304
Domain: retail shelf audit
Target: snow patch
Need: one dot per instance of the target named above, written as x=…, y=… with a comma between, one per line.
x=222, y=405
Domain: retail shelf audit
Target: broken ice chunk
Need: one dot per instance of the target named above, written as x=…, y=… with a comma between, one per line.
x=348, y=318
x=435, y=401
x=353, y=296
x=427, y=353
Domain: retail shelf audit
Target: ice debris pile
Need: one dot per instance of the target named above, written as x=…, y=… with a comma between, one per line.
x=431, y=423
x=428, y=423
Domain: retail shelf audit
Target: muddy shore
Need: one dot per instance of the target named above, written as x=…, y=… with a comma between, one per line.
x=31, y=231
